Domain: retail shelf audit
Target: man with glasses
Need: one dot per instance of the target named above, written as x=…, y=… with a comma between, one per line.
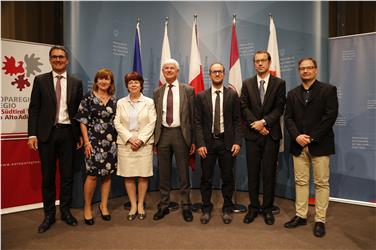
x=54, y=101
x=311, y=112
x=262, y=104
x=218, y=136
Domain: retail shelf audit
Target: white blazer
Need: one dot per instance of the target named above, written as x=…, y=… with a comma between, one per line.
x=146, y=121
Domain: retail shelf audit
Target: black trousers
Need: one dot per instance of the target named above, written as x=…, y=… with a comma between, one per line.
x=60, y=146
x=262, y=155
x=217, y=150
x=172, y=143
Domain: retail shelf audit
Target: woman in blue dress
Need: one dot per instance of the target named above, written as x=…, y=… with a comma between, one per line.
x=96, y=116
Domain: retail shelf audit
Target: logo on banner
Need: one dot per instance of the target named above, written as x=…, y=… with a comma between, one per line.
x=29, y=66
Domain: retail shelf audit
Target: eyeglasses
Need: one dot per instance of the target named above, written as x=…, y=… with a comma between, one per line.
x=261, y=61
x=308, y=68
x=216, y=72
x=57, y=57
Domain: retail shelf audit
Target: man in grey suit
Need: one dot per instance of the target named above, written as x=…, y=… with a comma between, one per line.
x=53, y=132
x=174, y=103
x=218, y=136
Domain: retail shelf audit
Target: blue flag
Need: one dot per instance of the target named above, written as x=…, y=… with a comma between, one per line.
x=137, y=66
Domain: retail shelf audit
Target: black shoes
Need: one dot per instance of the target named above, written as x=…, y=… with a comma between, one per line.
x=131, y=217
x=161, y=213
x=141, y=216
x=226, y=217
x=250, y=216
x=69, y=219
x=205, y=218
x=46, y=224
x=319, y=229
x=89, y=222
x=295, y=222
x=269, y=218
x=187, y=215
x=106, y=217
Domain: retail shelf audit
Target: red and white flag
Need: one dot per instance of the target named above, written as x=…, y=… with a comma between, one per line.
x=275, y=69
x=166, y=54
x=235, y=73
x=196, y=78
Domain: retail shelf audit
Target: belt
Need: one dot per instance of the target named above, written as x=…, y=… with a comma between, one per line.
x=61, y=125
x=218, y=136
x=164, y=127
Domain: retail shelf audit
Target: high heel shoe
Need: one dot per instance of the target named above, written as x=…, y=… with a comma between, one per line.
x=142, y=216
x=89, y=222
x=106, y=217
x=131, y=217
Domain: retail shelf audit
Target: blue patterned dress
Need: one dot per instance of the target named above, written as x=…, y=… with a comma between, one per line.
x=99, y=120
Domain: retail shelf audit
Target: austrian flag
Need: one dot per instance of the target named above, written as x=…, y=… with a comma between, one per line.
x=196, y=79
x=235, y=74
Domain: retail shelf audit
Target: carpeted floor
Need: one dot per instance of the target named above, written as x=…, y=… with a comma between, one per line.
x=348, y=227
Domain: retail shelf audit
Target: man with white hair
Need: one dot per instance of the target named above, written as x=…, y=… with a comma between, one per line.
x=174, y=103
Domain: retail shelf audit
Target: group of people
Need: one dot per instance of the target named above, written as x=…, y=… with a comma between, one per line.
x=120, y=136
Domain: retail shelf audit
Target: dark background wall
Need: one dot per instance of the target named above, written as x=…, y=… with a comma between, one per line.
x=43, y=21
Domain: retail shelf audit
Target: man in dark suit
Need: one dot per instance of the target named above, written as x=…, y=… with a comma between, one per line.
x=218, y=136
x=262, y=104
x=311, y=111
x=55, y=98
x=173, y=135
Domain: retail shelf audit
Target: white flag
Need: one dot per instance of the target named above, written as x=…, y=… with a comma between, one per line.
x=166, y=54
x=275, y=70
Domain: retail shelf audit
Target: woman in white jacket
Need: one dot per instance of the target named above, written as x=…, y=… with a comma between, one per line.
x=134, y=121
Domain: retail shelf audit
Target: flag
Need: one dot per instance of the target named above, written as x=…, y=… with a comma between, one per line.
x=235, y=73
x=275, y=70
x=137, y=66
x=166, y=54
x=196, y=79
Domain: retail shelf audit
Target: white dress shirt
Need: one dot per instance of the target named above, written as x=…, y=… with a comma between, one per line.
x=176, y=103
x=221, y=120
x=63, y=112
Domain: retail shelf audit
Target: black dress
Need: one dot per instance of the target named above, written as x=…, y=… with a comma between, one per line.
x=99, y=120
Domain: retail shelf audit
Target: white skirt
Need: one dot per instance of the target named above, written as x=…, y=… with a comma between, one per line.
x=135, y=163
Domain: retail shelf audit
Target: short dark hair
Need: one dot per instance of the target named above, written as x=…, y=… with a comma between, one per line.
x=104, y=73
x=216, y=63
x=55, y=47
x=308, y=59
x=262, y=52
x=135, y=76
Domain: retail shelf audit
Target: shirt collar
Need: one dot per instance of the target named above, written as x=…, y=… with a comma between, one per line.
x=54, y=74
x=266, y=79
x=141, y=99
x=175, y=83
x=215, y=89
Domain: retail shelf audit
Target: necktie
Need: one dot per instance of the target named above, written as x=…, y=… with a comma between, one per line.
x=58, y=96
x=262, y=91
x=217, y=114
x=170, y=106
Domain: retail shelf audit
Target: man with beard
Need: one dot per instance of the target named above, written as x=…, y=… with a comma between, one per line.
x=218, y=136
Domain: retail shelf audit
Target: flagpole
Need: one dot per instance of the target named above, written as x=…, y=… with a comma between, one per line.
x=275, y=209
x=237, y=208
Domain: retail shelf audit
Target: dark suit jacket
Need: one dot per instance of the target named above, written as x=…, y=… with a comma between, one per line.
x=316, y=118
x=187, y=99
x=204, y=118
x=42, y=107
x=271, y=110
